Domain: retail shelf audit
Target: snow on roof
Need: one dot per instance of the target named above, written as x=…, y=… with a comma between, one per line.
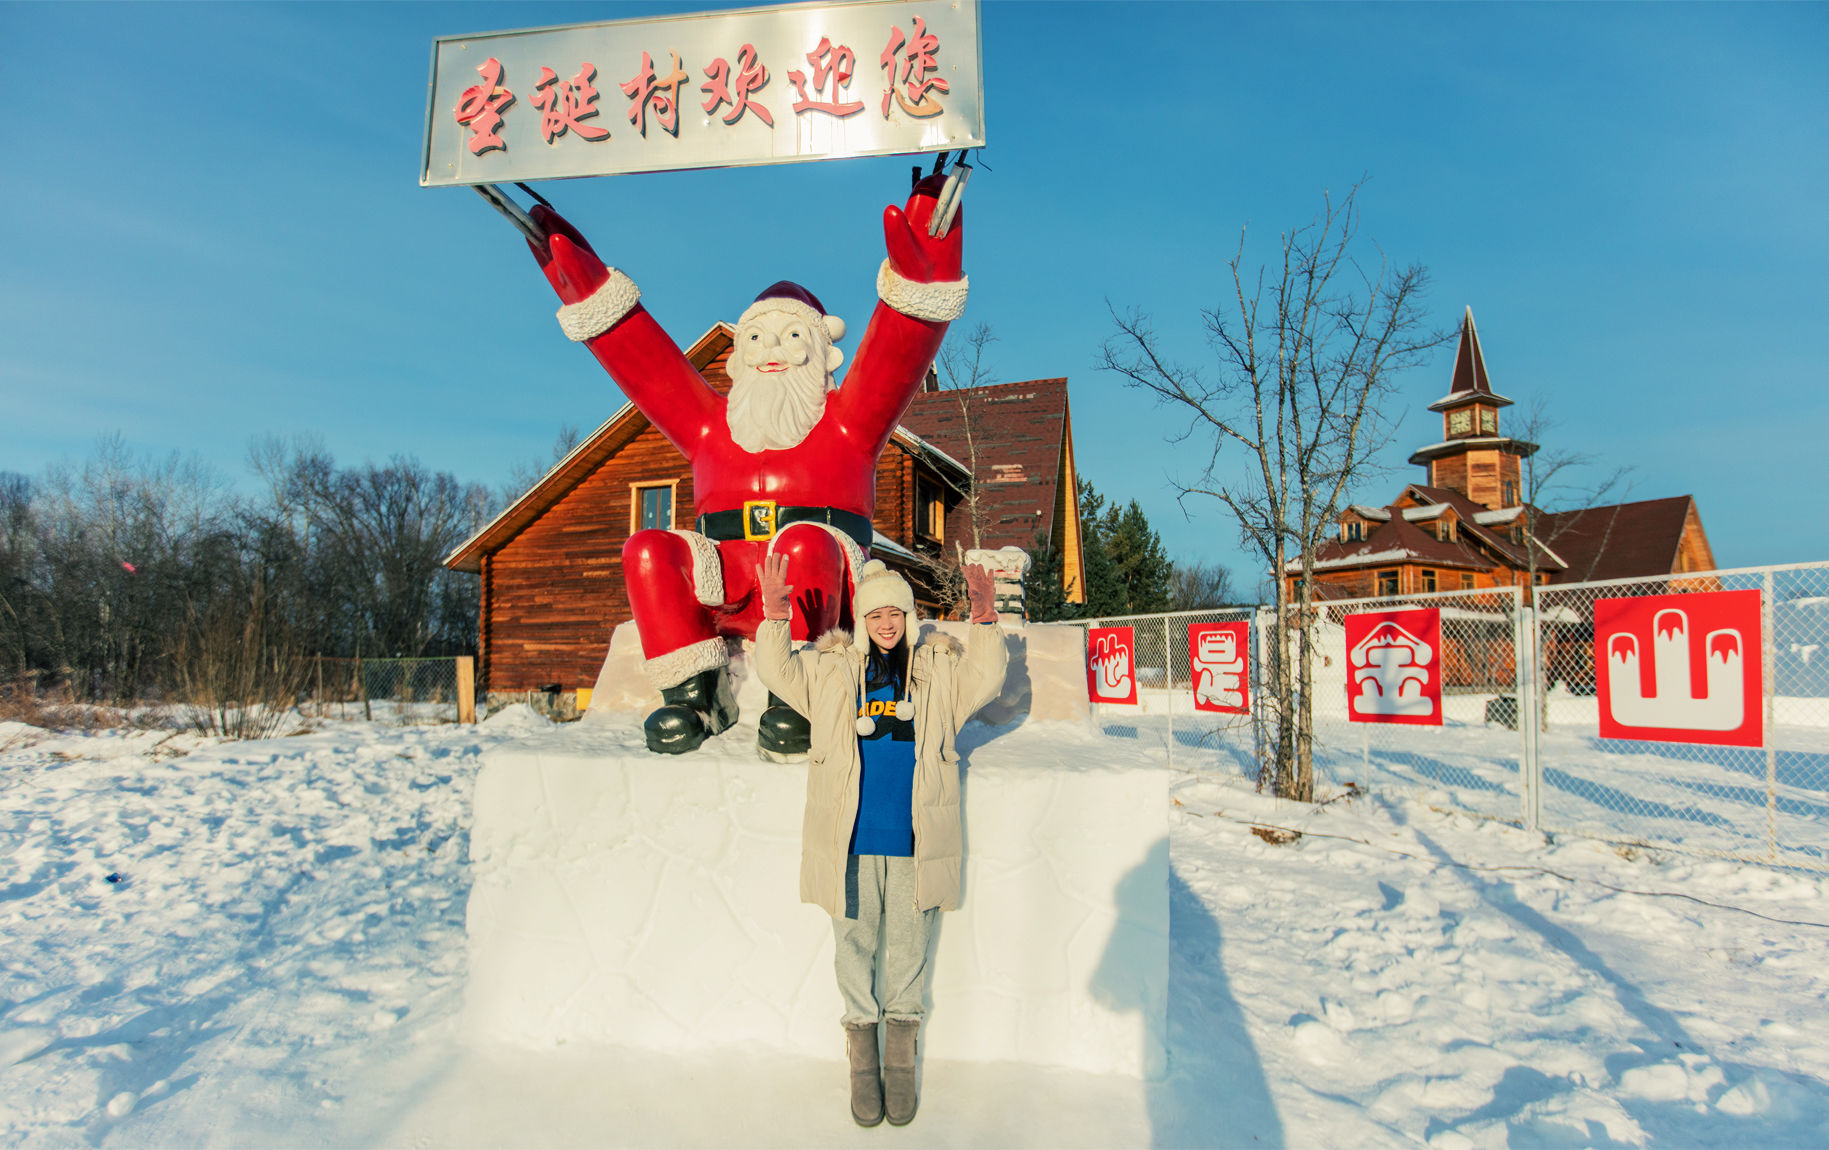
x=1498, y=515
x=1458, y=397
x=1366, y=512
x=1428, y=511
x=881, y=544
x=1392, y=556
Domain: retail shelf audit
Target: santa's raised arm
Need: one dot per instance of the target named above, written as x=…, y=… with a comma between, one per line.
x=786, y=464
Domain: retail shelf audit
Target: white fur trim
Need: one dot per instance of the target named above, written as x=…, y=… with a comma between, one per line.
x=602, y=310
x=676, y=666
x=831, y=325
x=707, y=570
x=936, y=302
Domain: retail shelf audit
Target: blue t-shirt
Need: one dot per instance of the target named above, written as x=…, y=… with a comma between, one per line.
x=885, y=816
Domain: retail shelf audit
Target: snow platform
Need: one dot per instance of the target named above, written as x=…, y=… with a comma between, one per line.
x=633, y=900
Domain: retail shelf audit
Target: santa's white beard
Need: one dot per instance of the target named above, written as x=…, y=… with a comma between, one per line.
x=774, y=410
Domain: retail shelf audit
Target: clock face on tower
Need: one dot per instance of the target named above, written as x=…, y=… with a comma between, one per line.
x=1460, y=422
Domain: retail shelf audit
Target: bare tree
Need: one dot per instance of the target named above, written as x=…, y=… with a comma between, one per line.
x=962, y=369
x=1552, y=488
x=522, y=476
x=1305, y=354
x=1199, y=585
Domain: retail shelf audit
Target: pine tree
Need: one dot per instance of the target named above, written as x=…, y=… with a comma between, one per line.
x=1142, y=566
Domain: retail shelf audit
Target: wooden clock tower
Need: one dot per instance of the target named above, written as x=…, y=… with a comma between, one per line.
x=1473, y=457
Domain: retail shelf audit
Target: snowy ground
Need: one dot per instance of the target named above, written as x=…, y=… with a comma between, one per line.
x=280, y=961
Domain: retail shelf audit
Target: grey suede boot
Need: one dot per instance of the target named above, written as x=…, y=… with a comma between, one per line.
x=866, y=1074
x=899, y=1099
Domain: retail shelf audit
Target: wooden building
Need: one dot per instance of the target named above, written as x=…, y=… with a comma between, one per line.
x=1468, y=524
x=551, y=563
x=1018, y=438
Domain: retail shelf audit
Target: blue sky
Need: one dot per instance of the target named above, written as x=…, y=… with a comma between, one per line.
x=213, y=230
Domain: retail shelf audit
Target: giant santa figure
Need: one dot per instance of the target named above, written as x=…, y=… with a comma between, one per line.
x=786, y=464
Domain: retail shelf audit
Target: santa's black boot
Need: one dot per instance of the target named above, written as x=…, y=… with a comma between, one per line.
x=782, y=734
x=695, y=710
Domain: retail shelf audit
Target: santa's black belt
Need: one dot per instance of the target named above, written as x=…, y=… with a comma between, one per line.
x=761, y=518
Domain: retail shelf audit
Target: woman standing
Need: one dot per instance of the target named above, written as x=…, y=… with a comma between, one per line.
x=881, y=847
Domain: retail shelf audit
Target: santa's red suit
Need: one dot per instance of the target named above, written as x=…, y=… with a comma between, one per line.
x=811, y=492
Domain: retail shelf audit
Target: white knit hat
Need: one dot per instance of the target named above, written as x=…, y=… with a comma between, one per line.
x=877, y=586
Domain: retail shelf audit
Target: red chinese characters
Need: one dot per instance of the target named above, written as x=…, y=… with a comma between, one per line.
x=832, y=66
x=647, y=90
x=750, y=76
x=1681, y=668
x=1110, y=676
x=565, y=105
x=480, y=108
x=1394, y=667
x=910, y=62
x=1219, y=661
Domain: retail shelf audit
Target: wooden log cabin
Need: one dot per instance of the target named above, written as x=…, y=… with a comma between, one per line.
x=551, y=563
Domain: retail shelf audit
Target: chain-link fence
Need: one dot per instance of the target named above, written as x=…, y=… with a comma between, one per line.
x=404, y=691
x=1734, y=762
x=1166, y=711
x=1766, y=798
x=1472, y=759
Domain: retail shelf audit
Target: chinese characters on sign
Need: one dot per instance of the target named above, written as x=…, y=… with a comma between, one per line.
x=1218, y=657
x=1110, y=678
x=1681, y=668
x=909, y=61
x=1394, y=667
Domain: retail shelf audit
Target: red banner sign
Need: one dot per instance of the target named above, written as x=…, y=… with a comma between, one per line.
x=1111, y=673
x=1394, y=667
x=1681, y=668
x=1219, y=657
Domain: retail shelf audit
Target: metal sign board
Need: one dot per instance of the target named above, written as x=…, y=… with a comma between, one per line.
x=707, y=90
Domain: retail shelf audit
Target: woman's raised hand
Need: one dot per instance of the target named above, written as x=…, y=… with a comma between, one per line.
x=771, y=580
x=981, y=590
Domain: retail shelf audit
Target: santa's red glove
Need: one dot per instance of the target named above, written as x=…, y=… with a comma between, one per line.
x=570, y=264
x=596, y=297
x=915, y=255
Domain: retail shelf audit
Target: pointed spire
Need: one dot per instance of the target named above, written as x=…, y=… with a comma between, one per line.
x=1469, y=363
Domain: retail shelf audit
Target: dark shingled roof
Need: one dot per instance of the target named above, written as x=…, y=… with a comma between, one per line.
x=1019, y=430
x=1470, y=379
x=1623, y=541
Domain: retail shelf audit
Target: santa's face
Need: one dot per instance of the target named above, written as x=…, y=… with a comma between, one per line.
x=780, y=372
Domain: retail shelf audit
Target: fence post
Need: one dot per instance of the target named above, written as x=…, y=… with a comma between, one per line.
x=1770, y=671
x=1530, y=761
x=1168, y=681
x=466, y=688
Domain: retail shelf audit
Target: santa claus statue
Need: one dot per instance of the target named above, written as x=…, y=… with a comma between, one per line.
x=785, y=465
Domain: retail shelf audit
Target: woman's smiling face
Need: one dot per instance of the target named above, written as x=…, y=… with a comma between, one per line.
x=885, y=626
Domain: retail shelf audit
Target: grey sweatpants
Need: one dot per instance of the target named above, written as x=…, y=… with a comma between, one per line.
x=882, y=935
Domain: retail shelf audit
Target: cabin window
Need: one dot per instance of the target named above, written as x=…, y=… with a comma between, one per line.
x=1387, y=582
x=1428, y=580
x=1517, y=533
x=930, y=511
x=1511, y=493
x=1466, y=582
x=1352, y=531
x=653, y=507
x=1489, y=421
x=1447, y=535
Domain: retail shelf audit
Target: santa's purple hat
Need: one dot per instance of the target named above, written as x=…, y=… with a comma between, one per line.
x=789, y=296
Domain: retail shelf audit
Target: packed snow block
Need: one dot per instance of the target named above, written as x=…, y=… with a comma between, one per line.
x=631, y=899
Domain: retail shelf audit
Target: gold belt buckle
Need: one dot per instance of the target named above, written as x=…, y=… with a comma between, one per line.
x=759, y=519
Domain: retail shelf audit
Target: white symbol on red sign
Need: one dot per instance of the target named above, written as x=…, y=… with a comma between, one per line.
x=1217, y=654
x=1108, y=665
x=1709, y=633
x=1394, y=667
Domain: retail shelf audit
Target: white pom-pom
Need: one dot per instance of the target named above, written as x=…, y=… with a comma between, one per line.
x=904, y=709
x=865, y=726
x=835, y=328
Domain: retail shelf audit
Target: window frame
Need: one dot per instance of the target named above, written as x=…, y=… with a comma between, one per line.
x=638, y=487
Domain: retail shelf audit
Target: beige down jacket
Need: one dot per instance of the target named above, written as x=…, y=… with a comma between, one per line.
x=950, y=682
